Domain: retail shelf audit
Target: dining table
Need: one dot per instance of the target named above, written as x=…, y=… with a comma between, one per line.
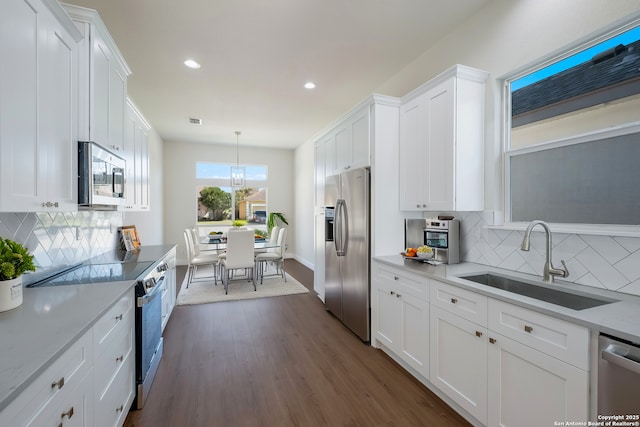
x=219, y=242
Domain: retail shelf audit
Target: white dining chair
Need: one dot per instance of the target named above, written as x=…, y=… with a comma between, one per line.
x=275, y=255
x=195, y=259
x=239, y=256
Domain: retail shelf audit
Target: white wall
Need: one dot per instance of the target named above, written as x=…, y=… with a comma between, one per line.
x=180, y=202
x=150, y=223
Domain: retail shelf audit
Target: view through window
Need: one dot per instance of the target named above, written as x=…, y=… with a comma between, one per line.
x=574, y=125
x=219, y=204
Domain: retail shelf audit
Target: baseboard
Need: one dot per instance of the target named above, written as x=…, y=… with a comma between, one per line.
x=304, y=262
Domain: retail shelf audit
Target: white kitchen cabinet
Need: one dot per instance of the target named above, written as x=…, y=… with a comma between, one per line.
x=136, y=154
x=401, y=321
x=352, y=141
x=458, y=359
x=529, y=388
x=169, y=291
x=319, y=252
x=103, y=75
x=38, y=107
x=483, y=351
x=442, y=143
x=60, y=387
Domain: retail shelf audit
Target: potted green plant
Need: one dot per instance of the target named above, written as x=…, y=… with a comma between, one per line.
x=273, y=219
x=239, y=223
x=14, y=261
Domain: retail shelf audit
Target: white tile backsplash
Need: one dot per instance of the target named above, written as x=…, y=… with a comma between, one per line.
x=62, y=238
x=600, y=261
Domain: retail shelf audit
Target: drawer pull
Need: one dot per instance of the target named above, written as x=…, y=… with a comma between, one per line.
x=492, y=340
x=528, y=328
x=119, y=317
x=120, y=358
x=119, y=408
x=392, y=292
x=398, y=295
x=454, y=300
x=67, y=414
x=478, y=333
x=58, y=384
x=396, y=278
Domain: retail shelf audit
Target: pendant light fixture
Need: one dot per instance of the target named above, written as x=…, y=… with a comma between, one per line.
x=237, y=172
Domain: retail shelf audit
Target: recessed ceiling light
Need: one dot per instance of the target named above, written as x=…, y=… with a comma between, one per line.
x=309, y=85
x=195, y=121
x=192, y=64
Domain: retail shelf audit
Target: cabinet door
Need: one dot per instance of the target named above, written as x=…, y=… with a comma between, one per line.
x=414, y=342
x=388, y=317
x=58, y=130
x=360, y=140
x=439, y=140
x=458, y=361
x=99, y=92
x=530, y=388
x=142, y=165
x=330, y=156
x=319, y=174
x=116, y=109
x=413, y=175
x=319, y=239
x=343, y=148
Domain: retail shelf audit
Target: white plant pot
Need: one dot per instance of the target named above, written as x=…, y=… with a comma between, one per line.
x=10, y=293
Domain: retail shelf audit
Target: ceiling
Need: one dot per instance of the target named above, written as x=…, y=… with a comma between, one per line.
x=256, y=56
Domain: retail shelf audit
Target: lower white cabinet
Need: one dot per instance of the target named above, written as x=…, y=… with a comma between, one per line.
x=458, y=359
x=529, y=388
x=402, y=317
x=91, y=384
x=168, y=294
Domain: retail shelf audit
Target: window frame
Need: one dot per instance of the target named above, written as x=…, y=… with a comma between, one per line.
x=504, y=220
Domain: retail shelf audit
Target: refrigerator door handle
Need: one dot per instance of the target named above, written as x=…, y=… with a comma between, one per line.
x=339, y=228
x=344, y=224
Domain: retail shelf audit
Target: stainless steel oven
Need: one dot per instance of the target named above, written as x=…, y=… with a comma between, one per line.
x=148, y=330
x=618, y=379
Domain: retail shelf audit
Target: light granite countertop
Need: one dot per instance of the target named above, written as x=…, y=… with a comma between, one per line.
x=620, y=319
x=52, y=318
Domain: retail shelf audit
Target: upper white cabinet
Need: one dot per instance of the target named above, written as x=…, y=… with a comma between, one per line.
x=136, y=154
x=38, y=111
x=442, y=143
x=102, y=82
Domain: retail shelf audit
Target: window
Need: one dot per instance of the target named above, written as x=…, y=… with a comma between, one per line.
x=574, y=136
x=219, y=204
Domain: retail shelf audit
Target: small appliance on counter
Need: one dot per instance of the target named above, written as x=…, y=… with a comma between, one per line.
x=442, y=235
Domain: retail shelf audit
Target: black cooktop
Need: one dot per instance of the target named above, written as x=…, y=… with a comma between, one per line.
x=96, y=273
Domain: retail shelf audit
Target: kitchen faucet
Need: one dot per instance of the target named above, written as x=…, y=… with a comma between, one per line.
x=549, y=270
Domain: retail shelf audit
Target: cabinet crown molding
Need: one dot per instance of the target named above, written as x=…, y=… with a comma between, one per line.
x=63, y=18
x=461, y=71
x=90, y=16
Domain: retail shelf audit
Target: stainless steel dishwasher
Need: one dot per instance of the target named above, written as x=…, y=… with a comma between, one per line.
x=618, y=378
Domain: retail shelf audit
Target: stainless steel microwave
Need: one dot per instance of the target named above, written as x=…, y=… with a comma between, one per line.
x=100, y=177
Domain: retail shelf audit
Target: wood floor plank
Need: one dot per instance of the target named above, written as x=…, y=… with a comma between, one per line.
x=279, y=361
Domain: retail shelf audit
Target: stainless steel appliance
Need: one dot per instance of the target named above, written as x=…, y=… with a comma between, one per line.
x=100, y=177
x=347, y=249
x=618, y=377
x=444, y=237
x=414, y=232
x=149, y=341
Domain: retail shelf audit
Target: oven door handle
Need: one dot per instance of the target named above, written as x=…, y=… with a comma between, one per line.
x=144, y=300
x=609, y=354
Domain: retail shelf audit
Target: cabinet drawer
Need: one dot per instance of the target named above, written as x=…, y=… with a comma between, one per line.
x=112, y=406
x=403, y=282
x=111, y=321
x=109, y=363
x=558, y=338
x=64, y=373
x=466, y=304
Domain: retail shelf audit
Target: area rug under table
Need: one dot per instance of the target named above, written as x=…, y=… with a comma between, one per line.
x=203, y=292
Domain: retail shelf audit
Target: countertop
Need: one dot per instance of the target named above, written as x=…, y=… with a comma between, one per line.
x=620, y=319
x=50, y=319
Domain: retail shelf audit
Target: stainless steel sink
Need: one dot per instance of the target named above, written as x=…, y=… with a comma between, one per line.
x=566, y=299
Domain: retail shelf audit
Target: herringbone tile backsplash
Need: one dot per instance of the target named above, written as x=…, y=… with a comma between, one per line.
x=601, y=261
x=62, y=238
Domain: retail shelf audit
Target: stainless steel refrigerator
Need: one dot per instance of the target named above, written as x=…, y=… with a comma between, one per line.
x=347, y=250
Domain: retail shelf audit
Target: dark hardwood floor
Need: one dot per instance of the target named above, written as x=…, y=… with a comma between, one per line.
x=279, y=361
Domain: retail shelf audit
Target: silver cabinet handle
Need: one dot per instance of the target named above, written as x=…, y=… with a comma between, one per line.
x=528, y=328
x=478, y=333
x=396, y=278
x=454, y=300
x=119, y=317
x=392, y=293
x=58, y=384
x=611, y=356
x=120, y=358
x=119, y=408
x=492, y=340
